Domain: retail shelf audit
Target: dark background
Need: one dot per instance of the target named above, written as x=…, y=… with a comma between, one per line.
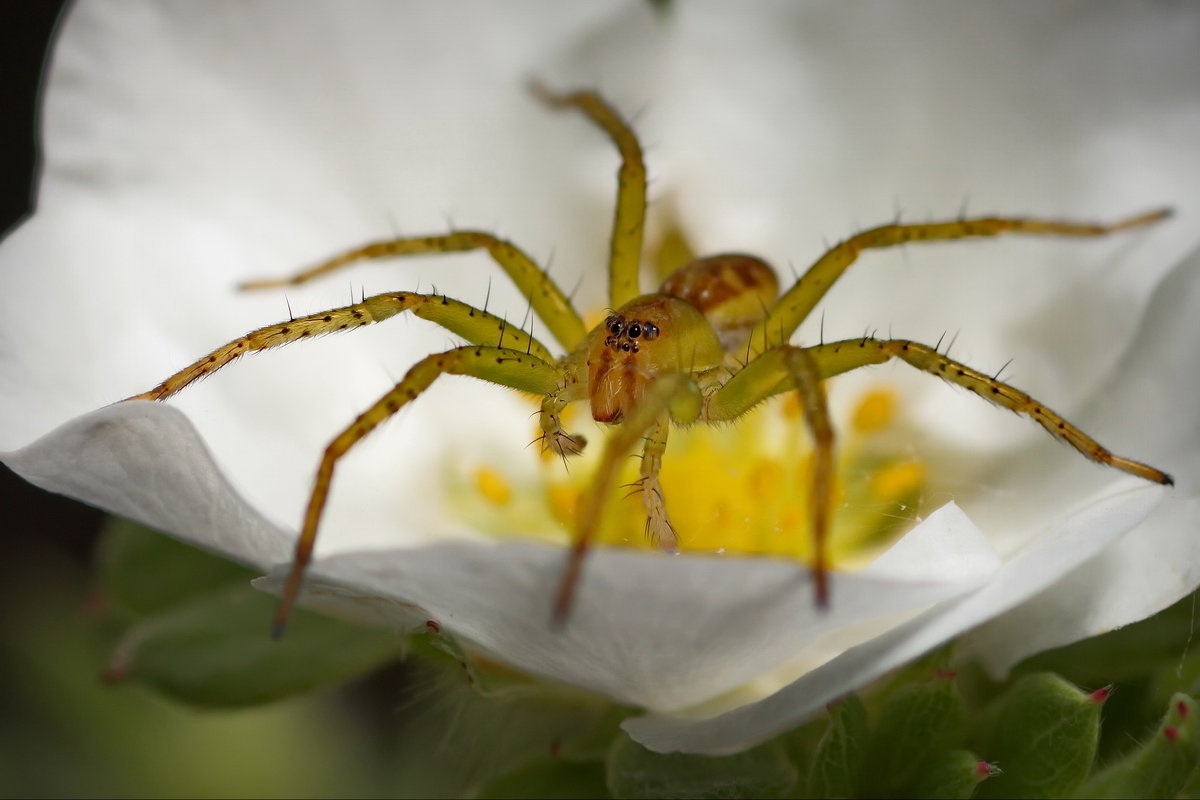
x=32, y=519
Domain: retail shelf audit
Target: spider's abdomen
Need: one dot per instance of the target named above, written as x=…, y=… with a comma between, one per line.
x=733, y=291
x=648, y=336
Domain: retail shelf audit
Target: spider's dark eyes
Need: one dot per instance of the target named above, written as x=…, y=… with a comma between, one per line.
x=634, y=331
x=615, y=325
x=650, y=329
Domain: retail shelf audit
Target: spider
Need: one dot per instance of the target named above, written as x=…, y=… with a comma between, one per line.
x=705, y=347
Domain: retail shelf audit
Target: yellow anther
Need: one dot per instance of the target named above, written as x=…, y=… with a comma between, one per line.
x=875, y=411
x=493, y=487
x=898, y=480
x=765, y=479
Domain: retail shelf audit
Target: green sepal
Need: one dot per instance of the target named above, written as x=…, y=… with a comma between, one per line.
x=762, y=771
x=950, y=774
x=918, y=723
x=142, y=571
x=216, y=650
x=1162, y=765
x=837, y=764
x=1043, y=734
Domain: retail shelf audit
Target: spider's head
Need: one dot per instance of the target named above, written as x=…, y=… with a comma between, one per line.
x=650, y=335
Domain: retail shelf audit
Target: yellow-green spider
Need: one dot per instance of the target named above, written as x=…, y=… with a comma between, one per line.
x=708, y=345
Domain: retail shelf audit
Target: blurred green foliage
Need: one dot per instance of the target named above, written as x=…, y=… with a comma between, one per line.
x=162, y=680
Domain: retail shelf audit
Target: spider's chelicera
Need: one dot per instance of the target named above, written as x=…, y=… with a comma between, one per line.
x=711, y=343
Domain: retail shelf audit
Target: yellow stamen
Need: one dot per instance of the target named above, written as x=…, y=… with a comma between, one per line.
x=875, y=411
x=737, y=490
x=493, y=487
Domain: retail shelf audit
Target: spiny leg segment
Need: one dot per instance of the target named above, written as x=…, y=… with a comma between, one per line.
x=796, y=304
x=473, y=324
x=515, y=369
x=625, y=250
x=546, y=299
x=763, y=378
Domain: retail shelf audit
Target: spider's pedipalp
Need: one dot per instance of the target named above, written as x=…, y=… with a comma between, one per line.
x=629, y=219
x=798, y=302
x=473, y=324
x=544, y=296
x=554, y=436
x=660, y=396
x=658, y=524
x=505, y=366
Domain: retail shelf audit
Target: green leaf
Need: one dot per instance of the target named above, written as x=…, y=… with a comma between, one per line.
x=838, y=760
x=950, y=774
x=634, y=771
x=456, y=741
x=216, y=651
x=917, y=723
x=143, y=571
x=1042, y=734
x=1162, y=765
x=549, y=777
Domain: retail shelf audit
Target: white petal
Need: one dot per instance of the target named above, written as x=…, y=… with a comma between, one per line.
x=655, y=632
x=1151, y=390
x=1060, y=549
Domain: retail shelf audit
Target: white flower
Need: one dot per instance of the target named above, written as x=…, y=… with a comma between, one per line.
x=189, y=147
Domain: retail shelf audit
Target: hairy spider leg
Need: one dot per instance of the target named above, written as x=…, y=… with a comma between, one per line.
x=674, y=394
x=473, y=324
x=515, y=369
x=543, y=294
x=658, y=525
x=835, y=358
x=796, y=304
x=780, y=369
x=625, y=249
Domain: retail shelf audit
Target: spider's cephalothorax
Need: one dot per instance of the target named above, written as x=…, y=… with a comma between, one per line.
x=712, y=343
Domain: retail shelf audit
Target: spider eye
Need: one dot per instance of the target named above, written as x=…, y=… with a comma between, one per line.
x=635, y=330
x=615, y=325
x=650, y=329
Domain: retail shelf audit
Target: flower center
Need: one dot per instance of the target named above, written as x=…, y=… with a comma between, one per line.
x=741, y=488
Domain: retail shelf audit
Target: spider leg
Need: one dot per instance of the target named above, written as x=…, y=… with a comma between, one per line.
x=795, y=305
x=673, y=394
x=658, y=524
x=473, y=324
x=506, y=366
x=779, y=369
x=835, y=358
x=625, y=249
x=543, y=294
